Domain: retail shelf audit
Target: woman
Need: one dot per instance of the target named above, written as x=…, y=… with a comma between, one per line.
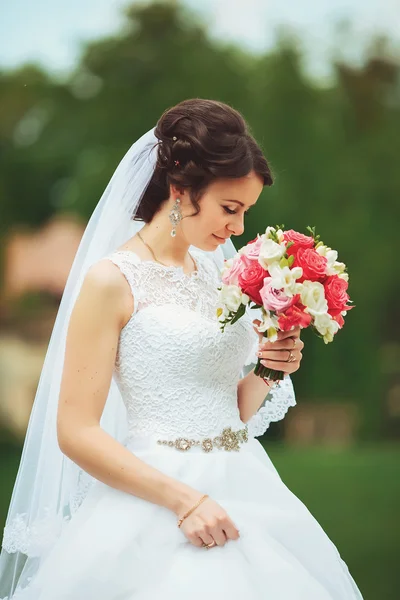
x=168, y=493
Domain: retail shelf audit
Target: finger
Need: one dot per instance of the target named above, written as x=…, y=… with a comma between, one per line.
x=283, y=336
x=195, y=540
x=292, y=333
x=219, y=537
x=286, y=344
x=286, y=367
x=279, y=355
x=231, y=532
x=206, y=537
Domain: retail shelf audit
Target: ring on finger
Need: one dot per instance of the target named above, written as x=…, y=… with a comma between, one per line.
x=291, y=357
x=210, y=545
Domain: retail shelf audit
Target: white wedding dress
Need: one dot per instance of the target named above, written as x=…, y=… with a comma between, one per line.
x=178, y=375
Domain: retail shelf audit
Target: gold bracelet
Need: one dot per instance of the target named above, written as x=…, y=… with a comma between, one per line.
x=189, y=512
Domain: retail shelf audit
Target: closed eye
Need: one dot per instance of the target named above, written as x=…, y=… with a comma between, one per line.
x=233, y=212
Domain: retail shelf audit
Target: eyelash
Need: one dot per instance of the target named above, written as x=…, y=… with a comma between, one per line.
x=232, y=212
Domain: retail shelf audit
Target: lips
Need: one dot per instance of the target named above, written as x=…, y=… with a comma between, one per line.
x=220, y=238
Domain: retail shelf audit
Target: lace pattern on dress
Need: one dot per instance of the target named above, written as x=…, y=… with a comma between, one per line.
x=176, y=371
x=274, y=408
x=150, y=282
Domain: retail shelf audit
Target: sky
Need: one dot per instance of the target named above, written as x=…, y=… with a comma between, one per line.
x=51, y=32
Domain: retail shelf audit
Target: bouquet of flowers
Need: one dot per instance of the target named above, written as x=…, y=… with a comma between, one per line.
x=295, y=279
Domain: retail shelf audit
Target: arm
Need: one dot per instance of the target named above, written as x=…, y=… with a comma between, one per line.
x=101, y=310
x=252, y=389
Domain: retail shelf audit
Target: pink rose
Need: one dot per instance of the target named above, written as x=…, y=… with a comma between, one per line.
x=294, y=316
x=299, y=241
x=252, y=249
x=230, y=277
x=313, y=264
x=274, y=299
x=336, y=296
x=250, y=279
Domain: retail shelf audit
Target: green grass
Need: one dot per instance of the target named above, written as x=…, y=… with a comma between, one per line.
x=354, y=494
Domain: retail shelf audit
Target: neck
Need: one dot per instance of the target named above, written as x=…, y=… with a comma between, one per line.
x=169, y=250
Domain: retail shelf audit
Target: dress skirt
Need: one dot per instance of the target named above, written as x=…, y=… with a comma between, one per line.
x=120, y=547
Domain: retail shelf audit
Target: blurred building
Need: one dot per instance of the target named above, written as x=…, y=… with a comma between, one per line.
x=41, y=260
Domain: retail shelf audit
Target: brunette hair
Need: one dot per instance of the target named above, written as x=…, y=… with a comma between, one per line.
x=199, y=142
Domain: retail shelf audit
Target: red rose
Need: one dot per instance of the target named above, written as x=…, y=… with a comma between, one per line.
x=336, y=296
x=299, y=241
x=295, y=316
x=313, y=264
x=251, y=279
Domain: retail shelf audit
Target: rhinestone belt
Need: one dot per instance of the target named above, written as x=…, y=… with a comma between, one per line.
x=228, y=440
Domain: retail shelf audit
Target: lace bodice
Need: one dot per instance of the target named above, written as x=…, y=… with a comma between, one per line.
x=176, y=371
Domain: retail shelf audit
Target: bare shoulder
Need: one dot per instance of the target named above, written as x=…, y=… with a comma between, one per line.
x=105, y=276
x=106, y=286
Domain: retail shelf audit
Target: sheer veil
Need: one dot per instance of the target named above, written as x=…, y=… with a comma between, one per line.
x=50, y=487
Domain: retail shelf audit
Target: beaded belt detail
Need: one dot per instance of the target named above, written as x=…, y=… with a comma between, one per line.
x=228, y=440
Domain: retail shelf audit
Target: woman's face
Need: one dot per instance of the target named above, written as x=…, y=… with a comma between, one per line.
x=222, y=210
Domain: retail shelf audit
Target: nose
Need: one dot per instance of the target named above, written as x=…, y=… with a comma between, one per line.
x=236, y=226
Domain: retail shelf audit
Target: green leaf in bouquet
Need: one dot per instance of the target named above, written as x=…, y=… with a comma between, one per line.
x=283, y=262
x=240, y=312
x=291, y=260
x=317, y=237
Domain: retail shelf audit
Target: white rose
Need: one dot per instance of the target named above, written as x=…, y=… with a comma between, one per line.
x=231, y=297
x=270, y=252
x=313, y=296
x=326, y=326
x=344, y=276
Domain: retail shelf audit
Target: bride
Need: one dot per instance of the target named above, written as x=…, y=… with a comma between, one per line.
x=141, y=475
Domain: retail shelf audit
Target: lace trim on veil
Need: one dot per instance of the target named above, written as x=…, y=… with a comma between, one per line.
x=34, y=539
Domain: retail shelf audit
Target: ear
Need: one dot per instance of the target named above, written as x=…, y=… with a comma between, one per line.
x=176, y=191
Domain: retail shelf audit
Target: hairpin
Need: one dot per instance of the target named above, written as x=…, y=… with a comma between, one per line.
x=177, y=163
x=174, y=138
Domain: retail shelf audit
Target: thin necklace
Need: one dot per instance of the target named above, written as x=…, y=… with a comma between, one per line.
x=159, y=261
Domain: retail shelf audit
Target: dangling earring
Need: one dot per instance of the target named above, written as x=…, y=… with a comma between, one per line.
x=175, y=216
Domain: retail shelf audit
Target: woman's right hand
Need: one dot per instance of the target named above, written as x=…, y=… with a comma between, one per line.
x=208, y=523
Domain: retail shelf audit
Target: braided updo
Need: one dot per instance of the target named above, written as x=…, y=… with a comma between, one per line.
x=199, y=142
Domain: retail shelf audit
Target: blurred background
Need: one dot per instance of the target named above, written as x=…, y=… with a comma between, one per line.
x=319, y=85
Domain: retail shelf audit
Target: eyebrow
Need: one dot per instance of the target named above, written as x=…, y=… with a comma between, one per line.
x=238, y=202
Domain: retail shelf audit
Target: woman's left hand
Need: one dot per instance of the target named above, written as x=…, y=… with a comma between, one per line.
x=274, y=355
